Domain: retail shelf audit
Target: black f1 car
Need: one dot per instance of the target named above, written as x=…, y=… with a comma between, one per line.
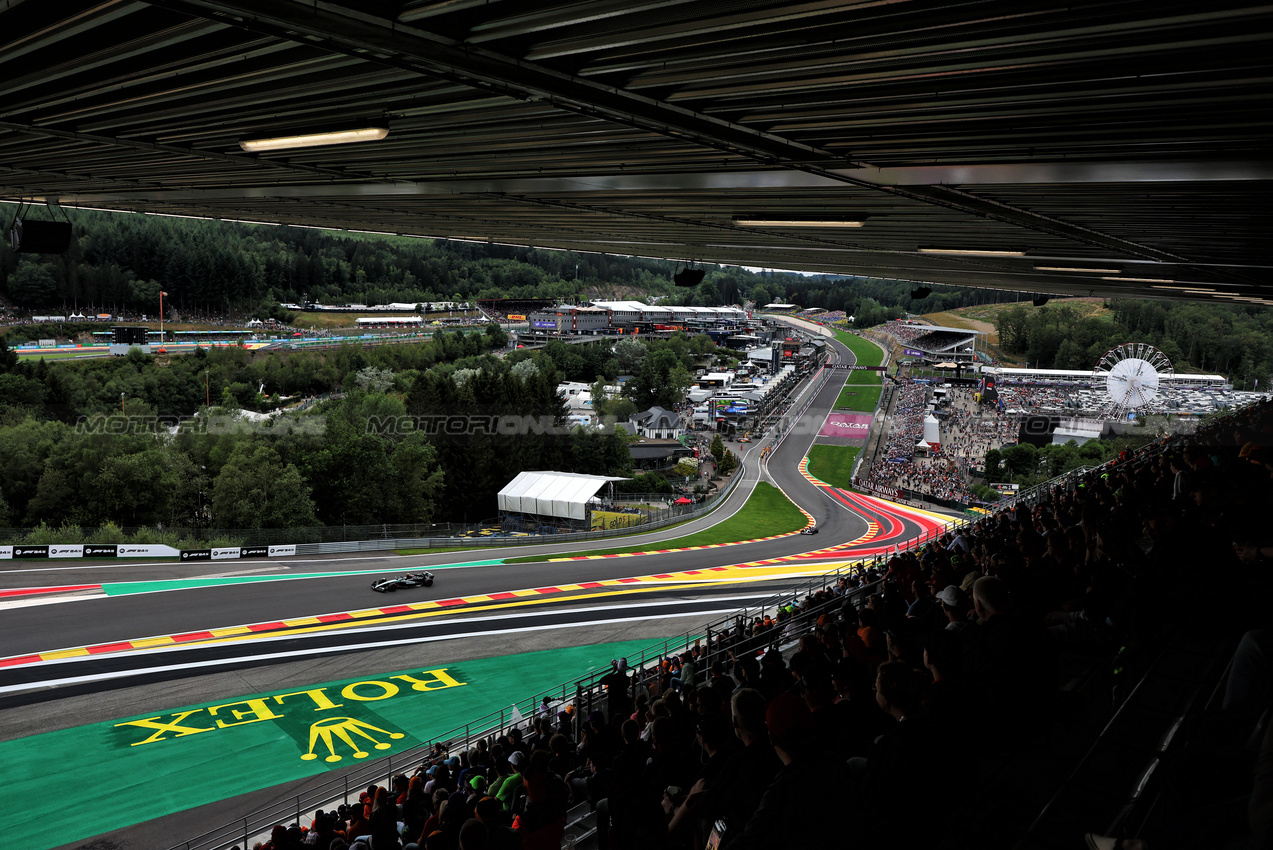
x=813, y=529
x=402, y=582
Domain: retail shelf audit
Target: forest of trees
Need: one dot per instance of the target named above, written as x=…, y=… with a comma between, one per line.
x=1231, y=341
x=362, y=457
x=120, y=262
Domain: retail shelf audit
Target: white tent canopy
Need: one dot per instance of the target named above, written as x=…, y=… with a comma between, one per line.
x=556, y=494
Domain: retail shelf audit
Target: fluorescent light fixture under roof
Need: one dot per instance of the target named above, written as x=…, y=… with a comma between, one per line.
x=313, y=140
x=972, y=252
x=1195, y=288
x=1075, y=269
x=775, y=222
x=1140, y=279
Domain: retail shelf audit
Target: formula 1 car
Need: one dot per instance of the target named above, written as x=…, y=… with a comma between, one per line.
x=813, y=529
x=402, y=582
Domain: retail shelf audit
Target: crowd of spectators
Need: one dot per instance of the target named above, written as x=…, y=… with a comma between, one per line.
x=908, y=678
x=966, y=433
x=970, y=430
x=903, y=331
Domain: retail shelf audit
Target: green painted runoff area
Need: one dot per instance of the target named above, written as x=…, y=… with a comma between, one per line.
x=833, y=464
x=767, y=512
x=126, y=588
x=174, y=759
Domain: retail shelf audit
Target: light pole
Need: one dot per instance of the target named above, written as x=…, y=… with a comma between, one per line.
x=207, y=393
x=121, y=405
x=162, y=340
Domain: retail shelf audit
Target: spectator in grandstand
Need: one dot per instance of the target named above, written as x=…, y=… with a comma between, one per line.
x=805, y=766
x=416, y=808
x=383, y=822
x=505, y=789
x=617, y=684
x=955, y=607
x=541, y=821
x=734, y=795
x=1011, y=664
x=911, y=755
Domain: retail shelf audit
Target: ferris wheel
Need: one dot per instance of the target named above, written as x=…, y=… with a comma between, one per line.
x=1133, y=373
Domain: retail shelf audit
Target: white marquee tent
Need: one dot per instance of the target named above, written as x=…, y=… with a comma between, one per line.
x=555, y=494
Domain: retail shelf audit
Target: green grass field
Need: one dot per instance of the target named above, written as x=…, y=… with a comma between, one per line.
x=767, y=512
x=833, y=464
x=858, y=397
x=867, y=354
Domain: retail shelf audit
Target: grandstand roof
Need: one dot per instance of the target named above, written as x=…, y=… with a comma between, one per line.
x=1110, y=148
x=935, y=328
x=556, y=494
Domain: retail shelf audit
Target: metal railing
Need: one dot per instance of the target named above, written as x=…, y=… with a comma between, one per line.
x=584, y=693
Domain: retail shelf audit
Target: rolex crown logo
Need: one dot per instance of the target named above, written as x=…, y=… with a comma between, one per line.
x=329, y=729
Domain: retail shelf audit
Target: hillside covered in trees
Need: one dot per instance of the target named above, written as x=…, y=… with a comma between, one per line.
x=145, y=441
x=120, y=263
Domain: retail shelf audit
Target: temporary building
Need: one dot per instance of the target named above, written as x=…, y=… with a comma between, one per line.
x=557, y=494
x=932, y=429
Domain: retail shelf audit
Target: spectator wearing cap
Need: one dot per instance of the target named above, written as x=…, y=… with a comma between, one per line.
x=476, y=788
x=504, y=789
x=954, y=605
x=718, y=744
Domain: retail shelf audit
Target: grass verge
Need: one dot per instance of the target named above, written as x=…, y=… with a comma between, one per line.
x=866, y=352
x=833, y=464
x=858, y=397
x=767, y=512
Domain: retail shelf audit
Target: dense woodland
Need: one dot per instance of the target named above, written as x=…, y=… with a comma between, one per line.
x=119, y=263
x=358, y=457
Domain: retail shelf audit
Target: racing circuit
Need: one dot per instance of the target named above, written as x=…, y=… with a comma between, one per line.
x=91, y=645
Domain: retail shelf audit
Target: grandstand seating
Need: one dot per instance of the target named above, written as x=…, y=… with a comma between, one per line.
x=1046, y=671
